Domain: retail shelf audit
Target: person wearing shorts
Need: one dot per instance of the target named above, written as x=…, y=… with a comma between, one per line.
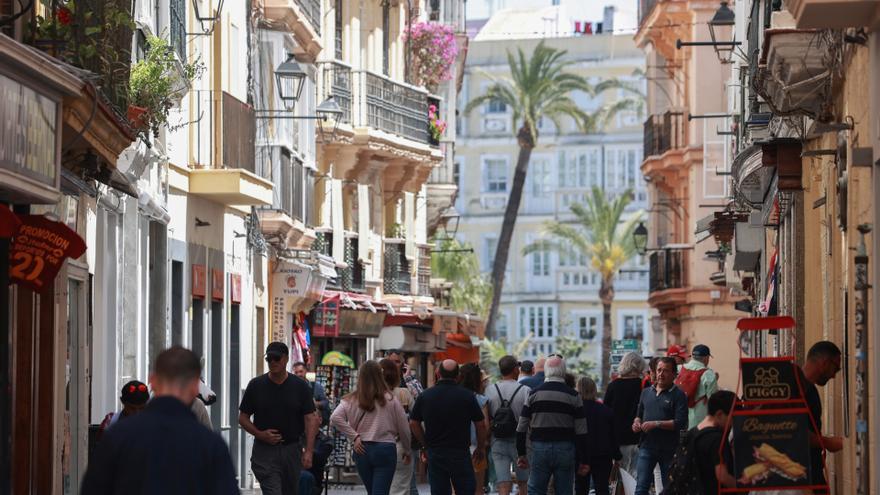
x=503, y=450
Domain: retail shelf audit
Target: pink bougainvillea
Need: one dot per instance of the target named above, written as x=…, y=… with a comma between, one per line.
x=434, y=50
x=437, y=125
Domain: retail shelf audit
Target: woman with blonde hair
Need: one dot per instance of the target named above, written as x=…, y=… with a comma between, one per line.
x=622, y=396
x=374, y=420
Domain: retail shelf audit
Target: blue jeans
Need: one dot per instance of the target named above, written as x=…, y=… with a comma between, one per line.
x=376, y=466
x=555, y=459
x=448, y=468
x=306, y=483
x=648, y=458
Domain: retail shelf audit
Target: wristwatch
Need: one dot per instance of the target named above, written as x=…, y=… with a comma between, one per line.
x=656, y=424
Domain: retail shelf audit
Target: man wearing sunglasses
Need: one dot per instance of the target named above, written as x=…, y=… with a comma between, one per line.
x=283, y=413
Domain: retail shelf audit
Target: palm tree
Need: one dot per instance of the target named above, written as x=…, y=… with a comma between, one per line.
x=602, y=234
x=538, y=87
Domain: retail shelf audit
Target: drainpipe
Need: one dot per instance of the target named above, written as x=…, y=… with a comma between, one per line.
x=862, y=284
x=874, y=112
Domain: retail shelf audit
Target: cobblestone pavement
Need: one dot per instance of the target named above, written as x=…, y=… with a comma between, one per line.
x=346, y=490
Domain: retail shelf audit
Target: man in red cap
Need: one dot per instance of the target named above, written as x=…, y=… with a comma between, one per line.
x=679, y=353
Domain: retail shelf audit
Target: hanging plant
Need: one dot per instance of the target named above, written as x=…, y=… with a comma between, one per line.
x=436, y=125
x=434, y=51
x=157, y=83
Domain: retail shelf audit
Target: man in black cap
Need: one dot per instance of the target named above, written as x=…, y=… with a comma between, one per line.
x=133, y=396
x=698, y=382
x=283, y=413
x=163, y=449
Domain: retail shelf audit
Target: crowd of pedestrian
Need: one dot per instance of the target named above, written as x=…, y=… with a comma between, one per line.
x=547, y=432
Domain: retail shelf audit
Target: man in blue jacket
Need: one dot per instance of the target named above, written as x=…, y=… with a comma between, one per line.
x=164, y=450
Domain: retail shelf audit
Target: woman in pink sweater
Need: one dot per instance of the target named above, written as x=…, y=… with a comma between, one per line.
x=374, y=420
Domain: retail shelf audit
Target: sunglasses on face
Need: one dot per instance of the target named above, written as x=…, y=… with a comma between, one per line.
x=273, y=359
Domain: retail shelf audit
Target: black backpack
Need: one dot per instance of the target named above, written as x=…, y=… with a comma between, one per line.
x=684, y=475
x=504, y=420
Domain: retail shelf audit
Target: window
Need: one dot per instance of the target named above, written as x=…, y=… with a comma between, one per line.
x=539, y=178
x=622, y=169
x=501, y=325
x=495, y=175
x=496, y=106
x=490, y=245
x=537, y=320
x=337, y=39
x=580, y=168
x=588, y=327
x=386, y=36
x=541, y=263
x=633, y=326
x=177, y=10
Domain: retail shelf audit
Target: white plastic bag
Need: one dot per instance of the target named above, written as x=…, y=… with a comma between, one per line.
x=628, y=482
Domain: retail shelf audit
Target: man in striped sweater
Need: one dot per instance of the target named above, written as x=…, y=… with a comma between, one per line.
x=553, y=418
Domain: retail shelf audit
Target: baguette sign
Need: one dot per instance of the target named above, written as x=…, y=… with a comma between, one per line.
x=38, y=250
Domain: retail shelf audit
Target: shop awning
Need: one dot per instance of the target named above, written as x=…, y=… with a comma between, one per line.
x=348, y=314
x=411, y=338
x=326, y=266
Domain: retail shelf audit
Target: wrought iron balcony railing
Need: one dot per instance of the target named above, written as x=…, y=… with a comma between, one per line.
x=397, y=278
x=391, y=106
x=234, y=119
x=337, y=83
x=312, y=10
x=424, y=272
x=667, y=270
x=663, y=132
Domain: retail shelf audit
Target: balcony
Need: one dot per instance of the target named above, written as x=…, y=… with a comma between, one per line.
x=223, y=156
x=397, y=276
x=353, y=276
x=663, y=132
x=390, y=106
x=667, y=270
x=302, y=18
x=834, y=14
x=442, y=192
x=289, y=219
x=337, y=83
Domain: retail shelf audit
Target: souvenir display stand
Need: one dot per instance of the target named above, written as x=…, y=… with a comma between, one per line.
x=337, y=382
x=770, y=422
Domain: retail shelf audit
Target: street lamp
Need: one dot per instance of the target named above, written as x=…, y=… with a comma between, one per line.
x=326, y=111
x=290, y=78
x=722, y=33
x=212, y=19
x=721, y=30
x=640, y=238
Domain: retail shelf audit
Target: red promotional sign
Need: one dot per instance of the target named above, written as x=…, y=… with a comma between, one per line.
x=38, y=250
x=199, y=281
x=235, y=288
x=217, y=284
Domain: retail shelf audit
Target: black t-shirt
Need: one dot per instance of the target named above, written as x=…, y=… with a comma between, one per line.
x=706, y=446
x=279, y=407
x=447, y=410
x=814, y=402
x=622, y=396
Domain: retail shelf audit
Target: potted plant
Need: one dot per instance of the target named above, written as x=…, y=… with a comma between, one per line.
x=434, y=51
x=436, y=125
x=157, y=83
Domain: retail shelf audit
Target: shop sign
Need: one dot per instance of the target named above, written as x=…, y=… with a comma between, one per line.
x=28, y=132
x=39, y=249
x=235, y=288
x=291, y=280
x=766, y=380
x=217, y=284
x=771, y=449
x=447, y=323
x=620, y=348
x=279, y=319
x=199, y=281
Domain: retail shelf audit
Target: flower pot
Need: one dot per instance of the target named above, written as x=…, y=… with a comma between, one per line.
x=137, y=116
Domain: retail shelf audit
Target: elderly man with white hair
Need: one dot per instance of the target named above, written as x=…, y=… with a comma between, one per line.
x=553, y=419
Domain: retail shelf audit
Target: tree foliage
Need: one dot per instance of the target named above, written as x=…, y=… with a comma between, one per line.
x=493, y=350
x=471, y=292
